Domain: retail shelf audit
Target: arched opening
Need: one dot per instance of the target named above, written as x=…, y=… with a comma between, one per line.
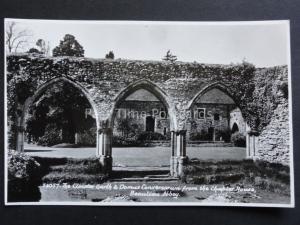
x=210, y=129
x=141, y=129
x=234, y=128
x=60, y=121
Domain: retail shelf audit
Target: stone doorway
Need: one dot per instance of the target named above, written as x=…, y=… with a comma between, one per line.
x=150, y=123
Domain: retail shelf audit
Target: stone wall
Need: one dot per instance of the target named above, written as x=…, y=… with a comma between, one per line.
x=273, y=142
x=237, y=118
x=104, y=80
x=259, y=93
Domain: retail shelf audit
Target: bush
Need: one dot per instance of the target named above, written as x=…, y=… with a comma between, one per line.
x=200, y=136
x=24, y=178
x=51, y=136
x=225, y=134
x=238, y=139
x=120, y=141
x=87, y=137
x=150, y=136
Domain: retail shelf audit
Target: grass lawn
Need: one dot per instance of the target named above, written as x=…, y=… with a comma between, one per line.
x=247, y=182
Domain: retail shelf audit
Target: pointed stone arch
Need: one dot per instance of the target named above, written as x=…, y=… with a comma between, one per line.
x=207, y=88
x=234, y=128
x=38, y=93
x=152, y=88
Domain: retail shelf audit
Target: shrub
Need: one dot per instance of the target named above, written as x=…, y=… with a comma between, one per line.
x=24, y=177
x=120, y=141
x=238, y=139
x=87, y=137
x=51, y=136
x=200, y=136
x=150, y=136
x=225, y=134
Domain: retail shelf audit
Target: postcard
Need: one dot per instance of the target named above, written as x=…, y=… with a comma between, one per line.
x=148, y=113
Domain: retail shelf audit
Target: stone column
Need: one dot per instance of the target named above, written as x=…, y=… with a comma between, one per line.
x=173, y=153
x=247, y=145
x=178, y=158
x=104, y=146
x=20, y=139
x=20, y=136
x=251, y=142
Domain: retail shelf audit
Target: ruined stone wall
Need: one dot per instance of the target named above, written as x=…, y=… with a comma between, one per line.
x=198, y=125
x=273, y=143
x=104, y=79
x=257, y=92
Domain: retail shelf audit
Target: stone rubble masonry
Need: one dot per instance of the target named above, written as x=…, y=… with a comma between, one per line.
x=106, y=83
x=274, y=140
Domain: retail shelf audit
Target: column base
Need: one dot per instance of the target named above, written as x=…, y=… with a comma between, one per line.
x=176, y=165
x=106, y=164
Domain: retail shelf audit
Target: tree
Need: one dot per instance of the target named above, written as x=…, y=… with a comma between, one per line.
x=69, y=46
x=44, y=48
x=63, y=107
x=170, y=57
x=110, y=55
x=34, y=50
x=15, y=38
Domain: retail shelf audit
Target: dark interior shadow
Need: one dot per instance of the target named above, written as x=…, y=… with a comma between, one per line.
x=31, y=150
x=138, y=173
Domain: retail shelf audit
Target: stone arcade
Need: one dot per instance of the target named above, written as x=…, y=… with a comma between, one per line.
x=107, y=83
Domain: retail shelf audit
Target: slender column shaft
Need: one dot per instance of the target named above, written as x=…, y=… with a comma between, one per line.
x=173, y=142
x=248, y=154
x=181, y=143
x=104, y=147
x=104, y=144
x=20, y=140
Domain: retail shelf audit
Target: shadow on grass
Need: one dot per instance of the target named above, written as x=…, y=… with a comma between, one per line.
x=137, y=173
x=32, y=150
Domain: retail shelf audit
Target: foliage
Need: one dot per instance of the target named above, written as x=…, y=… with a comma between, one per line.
x=169, y=57
x=150, y=136
x=16, y=39
x=24, y=177
x=225, y=134
x=121, y=141
x=203, y=135
x=238, y=139
x=62, y=106
x=256, y=91
x=87, y=137
x=273, y=177
x=284, y=89
x=127, y=127
x=34, y=50
x=51, y=136
x=110, y=55
x=69, y=46
x=19, y=87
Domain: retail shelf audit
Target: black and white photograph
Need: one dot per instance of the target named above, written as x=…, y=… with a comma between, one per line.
x=148, y=113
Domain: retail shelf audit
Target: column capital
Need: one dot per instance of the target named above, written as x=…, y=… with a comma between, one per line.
x=253, y=133
x=106, y=130
x=181, y=132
